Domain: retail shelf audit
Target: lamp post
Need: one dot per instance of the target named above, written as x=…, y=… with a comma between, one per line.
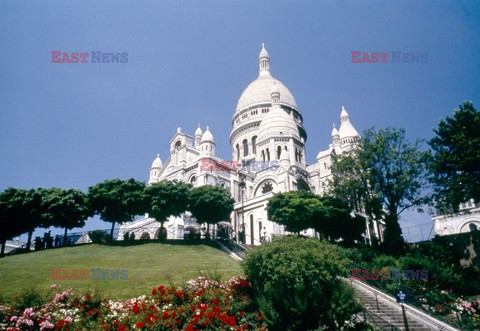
x=242, y=186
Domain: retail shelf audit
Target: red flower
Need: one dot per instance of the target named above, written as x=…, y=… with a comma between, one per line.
x=165, y=315
x=122, y=328
x=140, y=325
x=154, y=292
x=135, y=309
x=179, y=294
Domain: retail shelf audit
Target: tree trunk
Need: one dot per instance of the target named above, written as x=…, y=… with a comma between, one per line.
x=29, y=240
x=393, y=240
x=111, y=232
x=65, y=237
x=2, y=253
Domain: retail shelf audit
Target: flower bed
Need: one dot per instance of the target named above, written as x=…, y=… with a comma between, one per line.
x=201, y=304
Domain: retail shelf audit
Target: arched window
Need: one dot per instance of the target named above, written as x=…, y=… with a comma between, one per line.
x=260, y=230
x=279, y=151
x=245, y=147
x=263, y=156
x=473, y=227
x=268, y=155
x=238, y=152
x=254, y=145
x=252, y=231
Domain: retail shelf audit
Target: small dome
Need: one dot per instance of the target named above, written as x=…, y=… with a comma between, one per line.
x=263, y=52
x=157, y=163
x=198, y=132
x=277, y=123
x=334, y=131
x=346, y=128
x=207, y=136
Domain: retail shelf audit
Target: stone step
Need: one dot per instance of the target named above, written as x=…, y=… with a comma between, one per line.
x=384, y=314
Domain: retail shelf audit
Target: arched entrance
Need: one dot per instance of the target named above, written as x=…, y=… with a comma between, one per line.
x=145, y=236
x=161, y=234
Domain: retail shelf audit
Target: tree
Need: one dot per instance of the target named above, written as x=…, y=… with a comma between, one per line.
x=21, y=211
x=211, y=204
x=295, y=210
x=384, y=174
x=117, y=200
x=334, y=219
x=297, y=286
x=166, y=199
x=301, y=210
x=455, y=163
x=66, y=208
x=11, y=201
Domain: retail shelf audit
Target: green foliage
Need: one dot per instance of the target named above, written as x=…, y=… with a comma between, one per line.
x=330, y=216
x=30, y=297
x=117, y=200
x=65, y=208
x=211, y=204
x=166, y=199
x=99, y=237
x=296, y=284
x=20, y=211
x=455, y=163
x=383, y=175
x=294, y=210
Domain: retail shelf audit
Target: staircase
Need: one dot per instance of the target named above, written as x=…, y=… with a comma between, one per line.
x=386, y=313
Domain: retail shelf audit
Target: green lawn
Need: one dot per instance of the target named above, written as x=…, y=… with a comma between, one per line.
x=148, y=265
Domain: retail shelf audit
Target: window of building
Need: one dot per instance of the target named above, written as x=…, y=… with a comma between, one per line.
x=245, y=147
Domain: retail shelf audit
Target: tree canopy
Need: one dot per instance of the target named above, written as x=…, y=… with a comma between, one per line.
x=383, y=174
x=65, y=208
x=295, y=210
x=455, y=163
x=301, y=210
x=117, y=200
x=211, y=204
x=166, y=199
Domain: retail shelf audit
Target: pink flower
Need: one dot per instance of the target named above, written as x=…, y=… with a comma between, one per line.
x=13, y=318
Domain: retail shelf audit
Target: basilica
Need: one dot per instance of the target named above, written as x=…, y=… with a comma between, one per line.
x=267, y=128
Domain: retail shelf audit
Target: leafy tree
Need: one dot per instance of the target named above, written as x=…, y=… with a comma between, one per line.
x=11, y=201
x=66, y=208
x=166, y=199
x=295, y=210
x=211, y=204
x=21, y=211
x=117, y=200
x=455, y=163
x=297, y=286
x=384, y=174
x=334, y=219
x=301, y=210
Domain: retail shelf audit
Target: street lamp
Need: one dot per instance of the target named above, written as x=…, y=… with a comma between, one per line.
x=242, y=186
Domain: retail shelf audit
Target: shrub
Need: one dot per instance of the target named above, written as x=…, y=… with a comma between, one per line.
x=297, y=286
x=99, y=236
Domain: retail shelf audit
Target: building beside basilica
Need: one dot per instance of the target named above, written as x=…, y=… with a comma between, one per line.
x=267, y=126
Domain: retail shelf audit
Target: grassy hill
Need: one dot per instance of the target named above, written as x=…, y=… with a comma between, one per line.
x=148, y=265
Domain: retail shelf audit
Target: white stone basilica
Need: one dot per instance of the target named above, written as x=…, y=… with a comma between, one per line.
x=266, y=126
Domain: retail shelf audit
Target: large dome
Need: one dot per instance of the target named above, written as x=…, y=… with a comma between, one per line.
x=258, y=92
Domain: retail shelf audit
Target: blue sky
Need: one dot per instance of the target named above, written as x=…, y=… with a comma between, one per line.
x=73, y=125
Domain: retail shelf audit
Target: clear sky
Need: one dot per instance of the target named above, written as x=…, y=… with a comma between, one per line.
x=73, y=125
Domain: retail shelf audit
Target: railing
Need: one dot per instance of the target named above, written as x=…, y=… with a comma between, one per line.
x=445, y=312
x=372, y=318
